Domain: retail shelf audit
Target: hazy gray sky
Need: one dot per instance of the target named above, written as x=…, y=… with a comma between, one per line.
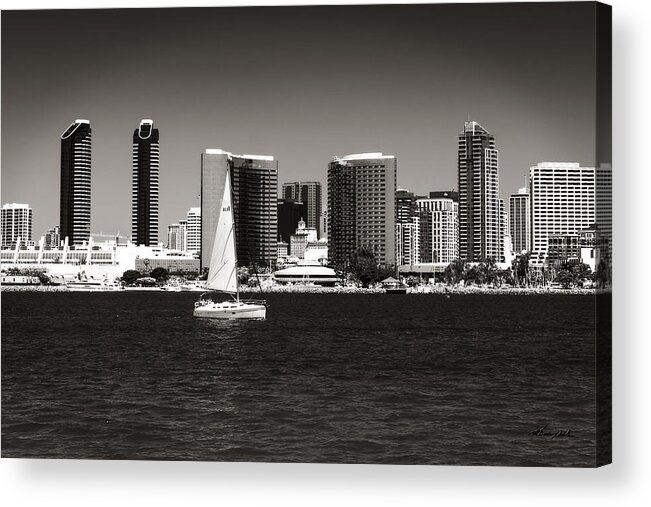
x=300, y=83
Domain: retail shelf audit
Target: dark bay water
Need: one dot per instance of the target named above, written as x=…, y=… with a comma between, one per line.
x=413, y=379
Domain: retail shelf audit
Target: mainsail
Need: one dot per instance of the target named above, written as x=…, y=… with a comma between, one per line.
x=222, y=274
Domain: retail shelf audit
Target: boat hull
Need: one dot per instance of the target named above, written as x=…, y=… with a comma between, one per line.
x=231, y=311
x=94, y=288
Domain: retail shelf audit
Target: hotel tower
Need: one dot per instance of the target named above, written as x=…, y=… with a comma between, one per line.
x=362, y=207
x=74, y=215
x=144, y=194
x=254, y=180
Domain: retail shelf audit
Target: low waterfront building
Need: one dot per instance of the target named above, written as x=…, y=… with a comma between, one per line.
x=106, y=259
x=316, y=251
x=282, y=250
x=592, y=245
x=562, y=248
x=176, y=263
x=306, y=272
x=19, y=280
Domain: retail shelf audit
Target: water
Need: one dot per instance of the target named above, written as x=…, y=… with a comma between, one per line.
x=415, y=379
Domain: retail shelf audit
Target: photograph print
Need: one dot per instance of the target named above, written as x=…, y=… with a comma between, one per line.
x=376, y=234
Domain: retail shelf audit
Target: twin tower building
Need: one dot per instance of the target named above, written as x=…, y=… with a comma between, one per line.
x=254, y=179
x=76, y=183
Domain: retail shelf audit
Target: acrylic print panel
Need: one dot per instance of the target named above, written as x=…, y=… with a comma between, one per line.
x=421, y=192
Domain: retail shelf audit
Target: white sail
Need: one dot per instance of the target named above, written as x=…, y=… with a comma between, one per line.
x=222, y=274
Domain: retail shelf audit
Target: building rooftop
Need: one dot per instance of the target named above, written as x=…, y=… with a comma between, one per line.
x=14, y=205
x=219, y=151
x=73, y=126
x=364, y=156
x=473, y=127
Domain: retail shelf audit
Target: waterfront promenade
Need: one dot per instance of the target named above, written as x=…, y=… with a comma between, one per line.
x=313, y=289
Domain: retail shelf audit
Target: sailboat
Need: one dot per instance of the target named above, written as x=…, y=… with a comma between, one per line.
x=222, y=274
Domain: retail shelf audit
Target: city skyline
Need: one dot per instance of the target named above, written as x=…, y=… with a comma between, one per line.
x=322, y=97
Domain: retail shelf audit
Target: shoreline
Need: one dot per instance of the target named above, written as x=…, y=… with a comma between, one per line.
x=303, y=289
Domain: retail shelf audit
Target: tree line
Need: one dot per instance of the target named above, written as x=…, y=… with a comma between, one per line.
x=364, y=269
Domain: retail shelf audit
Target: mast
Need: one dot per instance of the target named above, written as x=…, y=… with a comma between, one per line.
x=237, y=278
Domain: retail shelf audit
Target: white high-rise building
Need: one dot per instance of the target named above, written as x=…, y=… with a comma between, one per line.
x=563, y=202
x=408, y=242
x=193, y=230
x=177, y=236
x=439, y=227
x=16, y=222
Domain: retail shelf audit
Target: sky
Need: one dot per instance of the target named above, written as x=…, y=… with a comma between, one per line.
x=300, y=83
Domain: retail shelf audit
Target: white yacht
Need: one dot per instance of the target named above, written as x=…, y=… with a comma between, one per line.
x=222, y=274
x=92, y=285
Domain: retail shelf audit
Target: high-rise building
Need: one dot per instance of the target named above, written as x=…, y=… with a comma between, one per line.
x=480, y=235
x=16, y=223
x=290, y=213
x=408, y=241
x=407, y=228
x=563, y=202
x=214, y=164
x=604, y=210
x=254, y=181
x=361, y=207
x=324, y=224
x=193, y=230
x=505, y=252
x=309, y=193
x=439, y=223
x=74, y=218
x=144, y=194
x=53, y=237
x=520, y=220
x=177, y=236
x=405, y=206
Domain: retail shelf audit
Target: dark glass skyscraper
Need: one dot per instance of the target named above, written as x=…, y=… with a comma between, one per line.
x=309, y=193
x=74, y=211
x=290, y=212
x=144, y=194
x=479, y=207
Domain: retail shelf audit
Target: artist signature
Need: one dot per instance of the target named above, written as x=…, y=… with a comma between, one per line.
x=544, y=431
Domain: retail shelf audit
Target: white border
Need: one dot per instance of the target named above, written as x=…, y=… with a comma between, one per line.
x=111, y=483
